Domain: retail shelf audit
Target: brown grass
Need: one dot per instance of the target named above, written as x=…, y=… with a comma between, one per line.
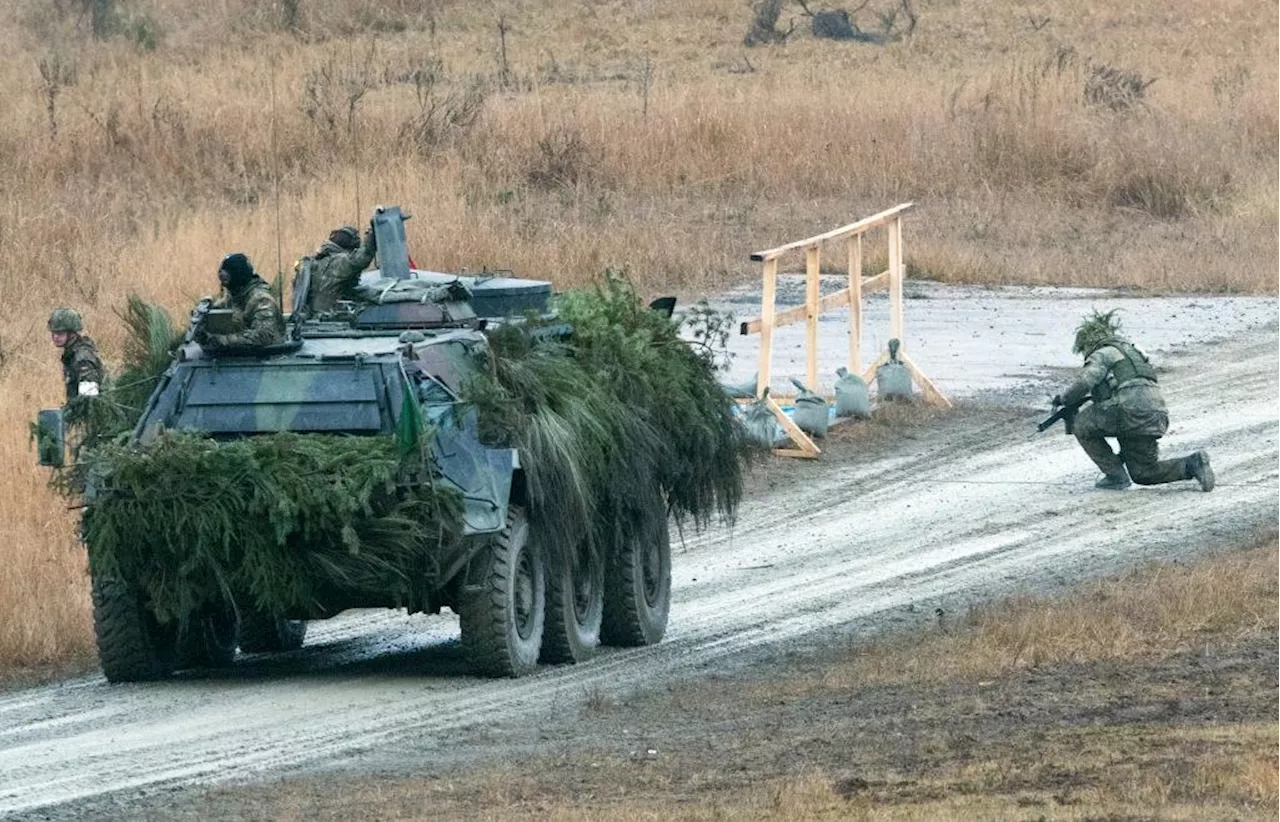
x=1161, y=610
x=613, y=134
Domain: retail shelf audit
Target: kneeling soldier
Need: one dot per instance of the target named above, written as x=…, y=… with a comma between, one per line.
x=1127, y=405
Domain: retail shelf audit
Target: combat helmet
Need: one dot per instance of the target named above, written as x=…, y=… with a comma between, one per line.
x=1094, y=330
x=346, y=237
x=65, y=320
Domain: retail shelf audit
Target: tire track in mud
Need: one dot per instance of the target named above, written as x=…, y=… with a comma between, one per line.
x=977, y=507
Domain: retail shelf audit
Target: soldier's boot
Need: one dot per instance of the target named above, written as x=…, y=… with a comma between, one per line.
x=1115, y=481
x=1200, y=470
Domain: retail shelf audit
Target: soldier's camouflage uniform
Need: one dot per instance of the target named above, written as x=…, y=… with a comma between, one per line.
x=1127, y=404
x=335, y=272
x=81, y=364
x=255, y=316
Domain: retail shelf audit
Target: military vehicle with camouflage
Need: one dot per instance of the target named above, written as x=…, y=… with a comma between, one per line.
x=394, y=368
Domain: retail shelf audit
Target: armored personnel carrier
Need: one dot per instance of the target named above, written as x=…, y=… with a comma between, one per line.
x=361, y=372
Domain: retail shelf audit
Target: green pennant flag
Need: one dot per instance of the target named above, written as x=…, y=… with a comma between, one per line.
x=409, y=429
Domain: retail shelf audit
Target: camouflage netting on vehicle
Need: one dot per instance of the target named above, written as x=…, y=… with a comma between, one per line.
x=190, y=520
x=616, y=425
x=623, y=419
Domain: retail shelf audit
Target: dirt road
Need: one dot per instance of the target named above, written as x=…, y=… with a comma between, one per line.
x=971, y=508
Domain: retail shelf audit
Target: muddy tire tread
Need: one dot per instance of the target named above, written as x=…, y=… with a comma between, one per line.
x=483, y=617
x=127, y=649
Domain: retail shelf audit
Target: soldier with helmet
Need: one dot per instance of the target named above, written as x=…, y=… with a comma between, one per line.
x=336, y=267
x=255, y=316
x=82, y=369
x=1127, y=405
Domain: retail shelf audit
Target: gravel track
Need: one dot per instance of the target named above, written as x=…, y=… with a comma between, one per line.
x=972, y=508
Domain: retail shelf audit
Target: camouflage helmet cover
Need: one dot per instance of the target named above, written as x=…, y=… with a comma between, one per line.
x=1094, y=330
x=65, y=319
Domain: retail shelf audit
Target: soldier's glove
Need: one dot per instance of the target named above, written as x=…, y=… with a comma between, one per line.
x=214, y=341
x=1058, y=402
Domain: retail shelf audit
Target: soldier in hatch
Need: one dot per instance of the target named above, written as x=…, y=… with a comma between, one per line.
x=255, y=316
x=1127, y=405
x=82, y=369
x=336, y=267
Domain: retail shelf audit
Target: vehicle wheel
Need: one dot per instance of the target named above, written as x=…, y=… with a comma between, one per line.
x=210, y=639
x=502, y=623
x=575, y=607
x=132, y=645
x=637, y=589
x=263, y=633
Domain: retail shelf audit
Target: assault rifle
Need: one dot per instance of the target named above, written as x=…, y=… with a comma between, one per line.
x=1066, y=413
x=198, y=315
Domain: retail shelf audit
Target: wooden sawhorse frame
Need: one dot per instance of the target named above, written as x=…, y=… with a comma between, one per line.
x=814, y=305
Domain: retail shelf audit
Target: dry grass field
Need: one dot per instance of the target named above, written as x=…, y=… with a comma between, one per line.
x=555, y=138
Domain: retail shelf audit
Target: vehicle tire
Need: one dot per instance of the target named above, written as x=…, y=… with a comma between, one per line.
x=502, y=622
x=637, y=589
x=264, y=633
x=132, y=645
x=210, y=639
x=575, y=607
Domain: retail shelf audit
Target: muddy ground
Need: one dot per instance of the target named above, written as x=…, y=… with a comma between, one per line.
x=893, y=524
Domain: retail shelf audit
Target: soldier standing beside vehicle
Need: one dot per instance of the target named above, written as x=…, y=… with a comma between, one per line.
x=1127, y=405
x=255, y=316
x=336, y=267
x=82, y=369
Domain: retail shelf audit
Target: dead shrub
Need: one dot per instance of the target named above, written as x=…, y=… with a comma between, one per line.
x=764, y=24
x=563, y=160
x=442, y=116
x=1168, y=193
x=1115, y=89
x=833, y=24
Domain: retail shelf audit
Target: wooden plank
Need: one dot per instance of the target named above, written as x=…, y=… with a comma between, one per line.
x=812, y=275
x=789, y=427
x=876, y=283
x=895, y=279
x=796, y=453
x=930, y=391
x=869, y=374
x=825, y=304
x=835, y=234
x=855, y=304
x=782, y=399
x=768, y=293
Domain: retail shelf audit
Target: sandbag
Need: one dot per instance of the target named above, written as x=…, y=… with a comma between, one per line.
x=811, y=413
x=893, y=379
x=762, y=426
x=742, y=390
x=853, y=399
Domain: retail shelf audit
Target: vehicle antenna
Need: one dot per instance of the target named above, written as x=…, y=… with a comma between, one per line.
x=352, y=121
x=275, y=173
